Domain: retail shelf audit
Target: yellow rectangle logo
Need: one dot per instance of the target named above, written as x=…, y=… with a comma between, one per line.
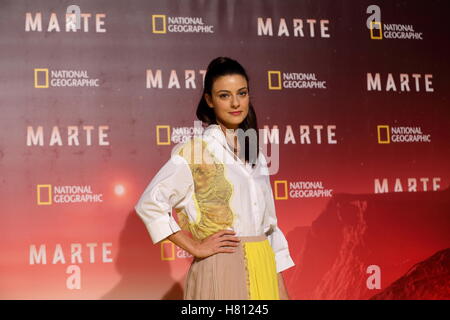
x=161, y=17
x=285, y=190
x=48, y=194
x=158, y=137
x=379, y=131
x=372, y=36
x=167, y=250
x=36, y=76
x=278, y=75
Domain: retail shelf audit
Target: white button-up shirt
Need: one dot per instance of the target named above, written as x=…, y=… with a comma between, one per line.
x=249, y=204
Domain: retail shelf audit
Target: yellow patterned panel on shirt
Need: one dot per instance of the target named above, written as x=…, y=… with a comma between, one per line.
x=212, y=191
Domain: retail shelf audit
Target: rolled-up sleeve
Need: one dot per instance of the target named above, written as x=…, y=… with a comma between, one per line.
x=276, y=237
x=169, y=188
x=280, y=247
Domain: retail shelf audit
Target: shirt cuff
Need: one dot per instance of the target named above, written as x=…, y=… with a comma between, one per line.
x=162, y=228
x=283, y=260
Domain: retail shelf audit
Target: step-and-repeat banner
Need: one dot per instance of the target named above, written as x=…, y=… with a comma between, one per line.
x=96, y=93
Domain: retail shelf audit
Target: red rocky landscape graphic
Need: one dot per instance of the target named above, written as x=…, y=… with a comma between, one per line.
x=374, y=246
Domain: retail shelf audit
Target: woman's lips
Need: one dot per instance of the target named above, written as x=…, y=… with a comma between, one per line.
x=235, y=113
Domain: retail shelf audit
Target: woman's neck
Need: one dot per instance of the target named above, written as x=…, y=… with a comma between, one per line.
x=231, y=138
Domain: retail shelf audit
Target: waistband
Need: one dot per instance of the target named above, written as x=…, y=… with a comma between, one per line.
x=253, y=238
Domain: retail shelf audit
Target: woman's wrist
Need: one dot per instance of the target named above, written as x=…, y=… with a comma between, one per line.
x=194, y=246
x=185, y=242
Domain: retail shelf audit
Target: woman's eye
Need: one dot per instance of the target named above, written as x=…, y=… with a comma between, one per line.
x=226, y=95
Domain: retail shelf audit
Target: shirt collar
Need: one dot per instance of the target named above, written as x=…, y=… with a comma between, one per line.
x=215, y=131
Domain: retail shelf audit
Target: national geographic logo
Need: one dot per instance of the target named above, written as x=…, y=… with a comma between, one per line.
x=278, y=80
x=47, y=194
x=169, y=251
x=401, y=134
x=173, y=79
x=162, y=24
x=45, y=78
x=297, y=28
x=300, y=189
x=379, y=30
x=166, y=135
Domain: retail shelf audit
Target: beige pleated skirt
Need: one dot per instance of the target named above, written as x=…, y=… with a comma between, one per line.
x=247, y=274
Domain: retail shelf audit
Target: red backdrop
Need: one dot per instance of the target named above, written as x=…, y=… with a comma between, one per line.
x=354, y=94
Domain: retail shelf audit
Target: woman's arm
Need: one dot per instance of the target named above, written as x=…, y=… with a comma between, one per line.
x=282, y=288
x=171, y=187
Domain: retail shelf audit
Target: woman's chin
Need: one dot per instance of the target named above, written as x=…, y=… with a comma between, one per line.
x=235, y=121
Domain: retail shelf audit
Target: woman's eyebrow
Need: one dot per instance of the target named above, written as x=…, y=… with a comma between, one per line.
x=230, y=91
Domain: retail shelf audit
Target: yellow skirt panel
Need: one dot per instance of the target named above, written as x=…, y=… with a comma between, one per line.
x=262, y=282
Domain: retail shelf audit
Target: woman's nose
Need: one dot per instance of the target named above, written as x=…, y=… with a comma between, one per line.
x=235, y=101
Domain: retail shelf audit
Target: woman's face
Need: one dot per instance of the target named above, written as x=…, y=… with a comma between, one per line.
x=230, y=100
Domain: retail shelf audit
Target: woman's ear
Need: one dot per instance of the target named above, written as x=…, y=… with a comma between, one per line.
x=208, y=100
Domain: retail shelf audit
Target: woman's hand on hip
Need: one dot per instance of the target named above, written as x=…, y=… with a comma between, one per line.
x=219, y=242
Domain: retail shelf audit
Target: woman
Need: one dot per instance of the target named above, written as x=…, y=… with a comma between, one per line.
x=222, y=195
